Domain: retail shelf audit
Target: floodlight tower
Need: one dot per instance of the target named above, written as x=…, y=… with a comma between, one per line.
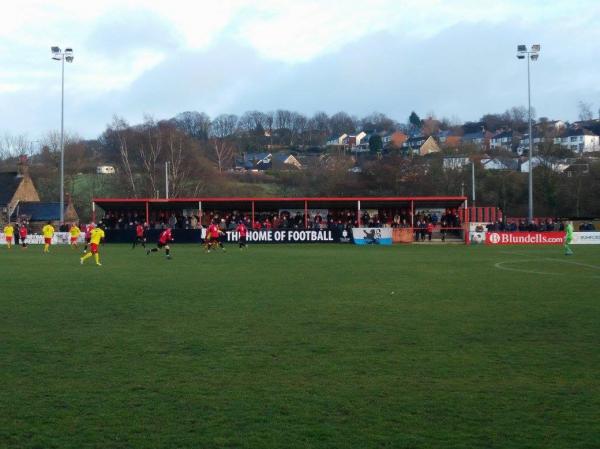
x=531, y=55
x=60, y=55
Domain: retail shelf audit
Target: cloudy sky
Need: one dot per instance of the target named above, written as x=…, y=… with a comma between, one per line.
x=455, y=58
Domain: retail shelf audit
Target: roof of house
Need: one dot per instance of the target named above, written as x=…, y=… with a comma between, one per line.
x=503, y=134
x=9, y=183
x=256, y=156
x=414, y=140
x=506, y=163
x=473, y=136
x=579, y=132
x=38, y=211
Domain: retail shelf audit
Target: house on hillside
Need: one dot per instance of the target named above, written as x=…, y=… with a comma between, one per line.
x=523, y=147
x=579, y=140
x=421, y=146
x=337, y=140
x=496, y=163
x=504, y=140
x=16, y=187
x=394, y=140
x=558, y=166
x=455, y=162
x=480, y=139
x=269, y=161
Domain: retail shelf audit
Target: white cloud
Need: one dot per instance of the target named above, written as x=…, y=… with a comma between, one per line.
x=118, y=42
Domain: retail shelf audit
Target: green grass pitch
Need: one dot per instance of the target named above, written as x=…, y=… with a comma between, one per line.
x=301, y=347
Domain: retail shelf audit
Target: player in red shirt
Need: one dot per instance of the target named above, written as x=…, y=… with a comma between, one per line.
x=213, y=235
x=163, y=242
x=140, y=236
x=242, y=230
x=88, y=234
x=23, y=235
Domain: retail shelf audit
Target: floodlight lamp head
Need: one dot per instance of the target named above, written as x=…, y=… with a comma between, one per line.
x=57, y=57
x=55, y=49
x=534, y=57
x=69, y=58
x=536, y=48
x=520, y=56
x=521, y=48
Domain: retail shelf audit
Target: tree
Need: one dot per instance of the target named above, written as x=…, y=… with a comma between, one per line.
x=299, y=126
x=414, y=120
x=222, y=131
x=377, y=122
x=585, y=111
x=194, y=124
x=375, y=143
x=341, y=123
x=318, y=128
x=13, y=146
x=223, y=126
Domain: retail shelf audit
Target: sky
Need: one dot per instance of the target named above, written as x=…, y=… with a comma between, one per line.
x=452, y=58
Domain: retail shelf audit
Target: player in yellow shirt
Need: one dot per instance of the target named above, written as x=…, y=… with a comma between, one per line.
x=95, y=237
x=74, y=231
x=48, y=232
x=9, y=233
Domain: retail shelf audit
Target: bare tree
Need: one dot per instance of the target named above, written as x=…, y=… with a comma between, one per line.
x=222, y=129
x=194, y=124
x=340, y=123
x=14, y=146
x=223, y=126
x=179, y=150
x=120, y=127
x=149, y=150
x=585, y=111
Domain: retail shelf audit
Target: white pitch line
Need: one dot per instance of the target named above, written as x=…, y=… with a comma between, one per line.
x=595, y=267
x=572, y=262
x=500, y=266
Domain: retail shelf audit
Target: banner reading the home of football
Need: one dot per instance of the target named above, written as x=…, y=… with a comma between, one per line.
x=291, y=236
x=372, y=236
x=60, y=238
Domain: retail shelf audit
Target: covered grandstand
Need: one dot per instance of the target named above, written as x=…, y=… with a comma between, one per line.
x=449, y=213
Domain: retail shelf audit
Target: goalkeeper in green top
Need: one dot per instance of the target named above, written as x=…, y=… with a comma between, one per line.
x=568, y=238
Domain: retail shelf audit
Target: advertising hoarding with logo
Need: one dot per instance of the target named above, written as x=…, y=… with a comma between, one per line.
x=586, y=238
x=60, y=238
x=524, y=238
x=372, y=236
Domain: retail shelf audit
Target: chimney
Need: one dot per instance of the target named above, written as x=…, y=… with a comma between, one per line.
x=23, y=166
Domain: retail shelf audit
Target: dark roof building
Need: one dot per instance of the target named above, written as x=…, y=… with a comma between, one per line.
x=16, y=187
x=41, y=211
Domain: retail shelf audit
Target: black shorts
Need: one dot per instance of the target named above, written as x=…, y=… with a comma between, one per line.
x=242, y=239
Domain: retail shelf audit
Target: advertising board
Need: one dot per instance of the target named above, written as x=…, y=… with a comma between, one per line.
x=524, y=238
x=372, y=236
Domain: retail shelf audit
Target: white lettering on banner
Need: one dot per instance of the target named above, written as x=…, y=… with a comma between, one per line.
x=524, y=238
x=283, y=236
x=586, y=238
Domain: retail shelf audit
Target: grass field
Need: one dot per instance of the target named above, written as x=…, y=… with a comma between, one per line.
x=301, y=347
